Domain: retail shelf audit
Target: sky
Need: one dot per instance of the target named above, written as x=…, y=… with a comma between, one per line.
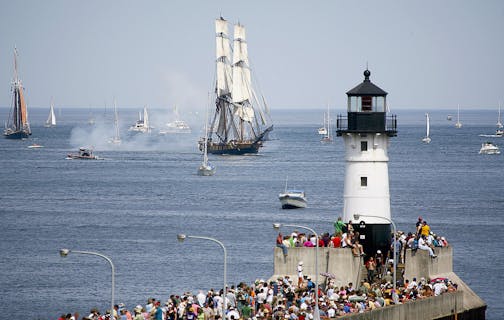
x=426, y=54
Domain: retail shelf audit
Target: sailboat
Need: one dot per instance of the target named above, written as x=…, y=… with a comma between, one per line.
x=458, y=124
x=51, y=119
x=327, y=137
x=206, y=169
x=323, y=130
x=499, y=132
x=17, y=127
x=240, y=123
x=142, y=124
x=117, y=138
x=427, y=138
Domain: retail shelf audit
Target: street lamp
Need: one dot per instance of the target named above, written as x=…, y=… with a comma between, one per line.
x=357, y=216
x=65, y=252
x=277, y=226
x=181, y=237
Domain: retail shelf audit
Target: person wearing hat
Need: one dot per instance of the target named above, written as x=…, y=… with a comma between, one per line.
x=138, y=313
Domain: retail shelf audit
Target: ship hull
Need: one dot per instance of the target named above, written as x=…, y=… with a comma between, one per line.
x=17, y=134
x=233, y=148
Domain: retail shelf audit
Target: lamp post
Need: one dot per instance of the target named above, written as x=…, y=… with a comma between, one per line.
x=357, y=216
x=276, y=226
x=181, y=237
x=65, y=252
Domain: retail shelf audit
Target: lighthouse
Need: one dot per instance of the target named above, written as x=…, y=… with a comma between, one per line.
x=366, y=131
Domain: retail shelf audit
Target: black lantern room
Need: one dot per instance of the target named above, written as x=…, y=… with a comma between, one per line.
x=367, y=111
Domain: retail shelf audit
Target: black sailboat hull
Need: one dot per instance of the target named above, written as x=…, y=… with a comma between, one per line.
x=17, y=134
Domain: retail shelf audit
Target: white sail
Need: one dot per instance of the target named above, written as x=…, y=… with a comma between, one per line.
x=146, y=119
x=117, y=138
x=428, y=124
x=427, y=138
x=458, y=124
x=241, y=72
x=51, y=119
x=223, y=58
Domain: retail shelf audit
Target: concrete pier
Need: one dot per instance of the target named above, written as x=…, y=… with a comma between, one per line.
x=463, y=304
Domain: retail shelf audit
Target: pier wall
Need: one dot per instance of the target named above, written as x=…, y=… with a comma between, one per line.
x=346, y=268
x=418, y=263
x=440, y=307
x=339, y=262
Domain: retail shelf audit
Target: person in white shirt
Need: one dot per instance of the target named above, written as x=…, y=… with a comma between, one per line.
x=422, y=244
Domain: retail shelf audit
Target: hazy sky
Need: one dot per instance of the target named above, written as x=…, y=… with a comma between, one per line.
x=425, y=54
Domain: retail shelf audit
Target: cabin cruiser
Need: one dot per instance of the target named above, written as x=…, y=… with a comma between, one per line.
x=177, y=126
x=292, y=199
x=84, y=154
x=489, y=148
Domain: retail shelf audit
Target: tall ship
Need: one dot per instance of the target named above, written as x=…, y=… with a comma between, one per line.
x=17, y=126
x=241, y=121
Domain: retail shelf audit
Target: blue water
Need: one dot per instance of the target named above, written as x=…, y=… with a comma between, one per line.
x=132, y=205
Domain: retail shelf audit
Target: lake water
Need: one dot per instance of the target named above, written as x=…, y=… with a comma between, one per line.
x=132, y=205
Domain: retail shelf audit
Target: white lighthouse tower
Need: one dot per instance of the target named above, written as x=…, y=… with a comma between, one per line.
x=366, y=132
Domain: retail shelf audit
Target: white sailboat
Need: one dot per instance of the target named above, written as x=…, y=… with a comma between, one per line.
x=142, y=124
x=458, y=124
x=117, y=138
x=323, y=130
x=327, y=137
x=427, y=138
x=499, y=132
x=206, y=169
x=51, y=119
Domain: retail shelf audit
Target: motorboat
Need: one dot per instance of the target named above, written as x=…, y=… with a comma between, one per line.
x=83, y=154
x=292, y=199
x=35, y=146
x=499, y=133
x=177, y=126
x=489, y=148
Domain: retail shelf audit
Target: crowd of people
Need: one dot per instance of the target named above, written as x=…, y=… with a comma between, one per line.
x=294, y=299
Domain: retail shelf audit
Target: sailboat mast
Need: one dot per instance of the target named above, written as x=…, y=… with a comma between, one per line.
x=116, y=121
x=499, y=121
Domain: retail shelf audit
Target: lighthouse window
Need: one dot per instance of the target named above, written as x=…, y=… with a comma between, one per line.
x=363, y=181
x=367, y=103
x=363, y=146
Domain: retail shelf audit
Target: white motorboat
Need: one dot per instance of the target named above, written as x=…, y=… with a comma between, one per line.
x=427, y=138
x=292, y=198
x=177, y=126
x=489, y=148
